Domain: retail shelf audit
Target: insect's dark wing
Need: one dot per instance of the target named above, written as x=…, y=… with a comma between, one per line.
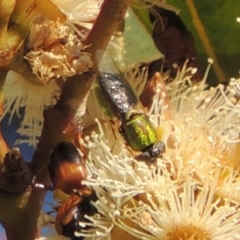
x=65, y=152
x=66, y=167
x=118, y=93
x=174, y=40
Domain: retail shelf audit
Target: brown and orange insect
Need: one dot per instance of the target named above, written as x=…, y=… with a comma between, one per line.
x=72, y=213
x=67, y=168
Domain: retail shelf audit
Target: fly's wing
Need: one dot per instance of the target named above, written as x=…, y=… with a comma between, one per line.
x=105, y=62
x=115, y=89
x=98, y=105
x=93, y=110
x=137, y=75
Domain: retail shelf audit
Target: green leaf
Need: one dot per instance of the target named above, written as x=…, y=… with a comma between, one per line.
x=215, y=30
x=138, y=41
x=216, y=33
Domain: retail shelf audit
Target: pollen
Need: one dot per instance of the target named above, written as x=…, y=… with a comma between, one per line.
x=53, y=51
x=188, y=233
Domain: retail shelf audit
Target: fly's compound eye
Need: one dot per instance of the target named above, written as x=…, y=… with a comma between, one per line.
x=66, y=167
x=157, y=149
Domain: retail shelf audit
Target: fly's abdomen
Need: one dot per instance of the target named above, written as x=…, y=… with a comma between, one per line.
x=117, y=93
x=139, y=133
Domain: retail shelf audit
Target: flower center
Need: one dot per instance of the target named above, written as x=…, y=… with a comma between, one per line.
x=188, y=232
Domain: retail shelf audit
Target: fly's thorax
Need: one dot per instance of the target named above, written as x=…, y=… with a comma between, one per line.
x=139, y=132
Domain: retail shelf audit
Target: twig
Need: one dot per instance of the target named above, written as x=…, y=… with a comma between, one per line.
x=77, y=88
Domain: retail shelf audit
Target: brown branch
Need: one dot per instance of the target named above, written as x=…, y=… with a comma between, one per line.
x=57, y=118
x=77, y=88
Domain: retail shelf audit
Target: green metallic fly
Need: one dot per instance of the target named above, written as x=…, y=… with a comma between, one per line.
x=118, y=100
